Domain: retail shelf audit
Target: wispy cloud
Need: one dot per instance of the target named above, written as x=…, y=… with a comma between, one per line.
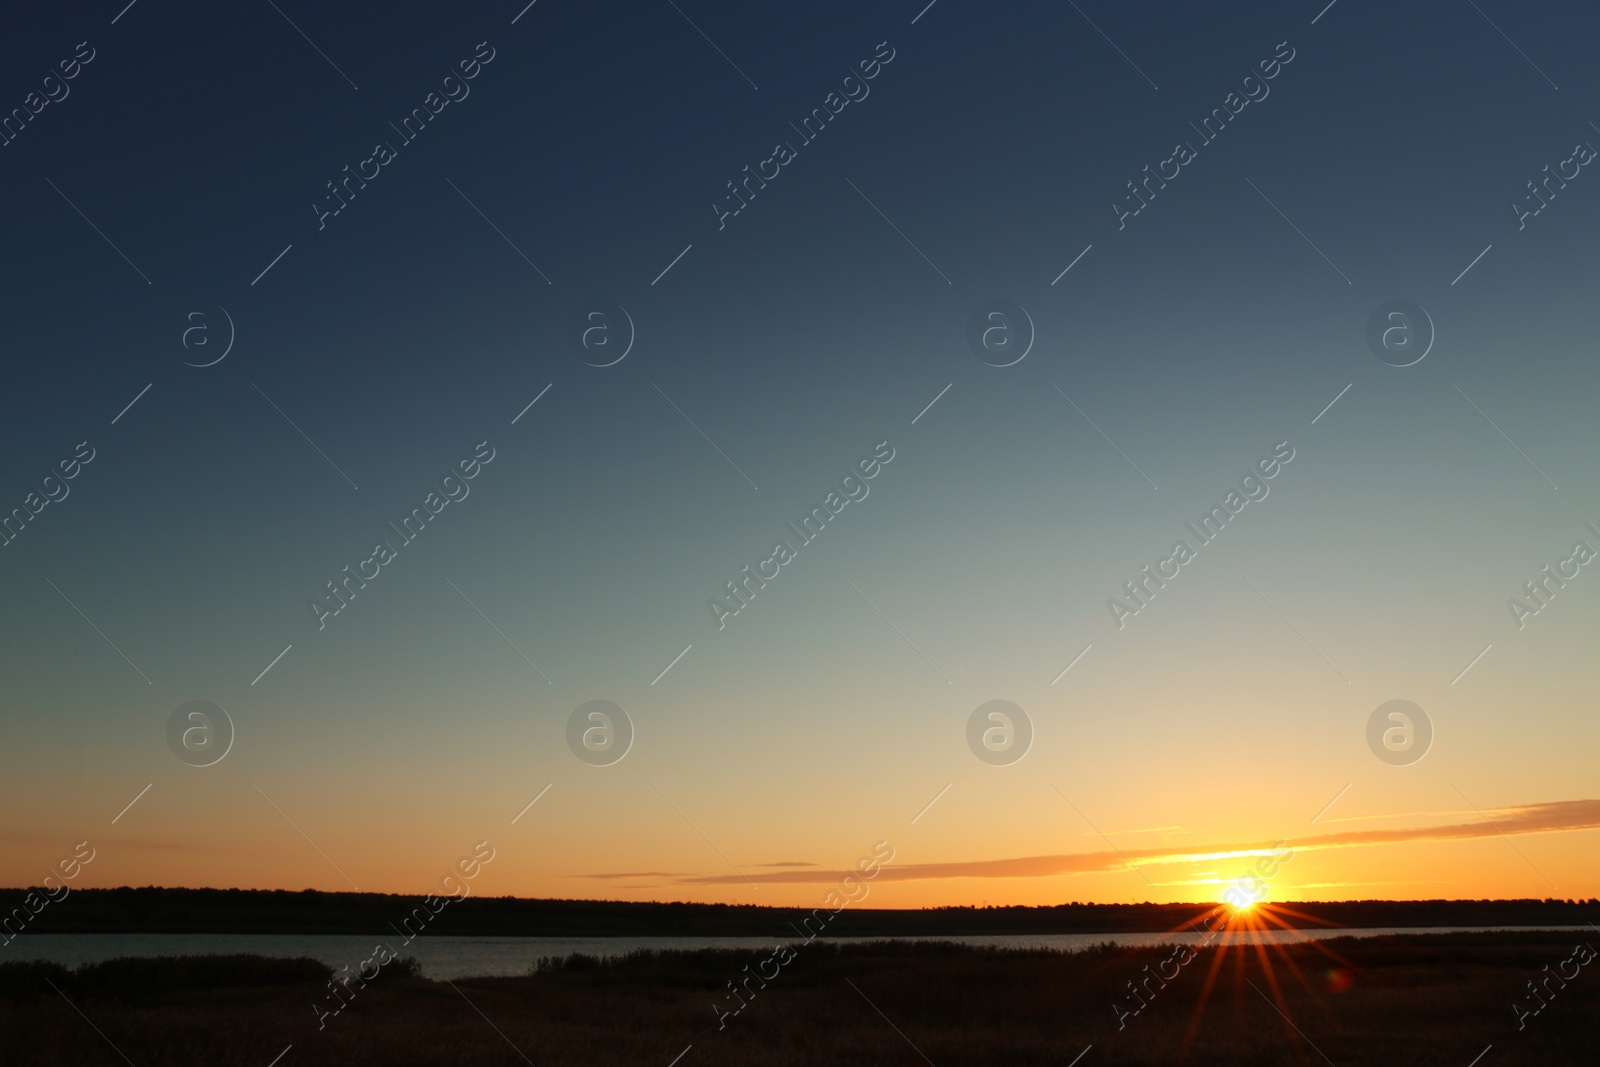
x=1555, y=817
x=631, y=874
x=1446, y=814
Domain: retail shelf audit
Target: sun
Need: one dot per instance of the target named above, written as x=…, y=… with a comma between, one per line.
x=1246, y=932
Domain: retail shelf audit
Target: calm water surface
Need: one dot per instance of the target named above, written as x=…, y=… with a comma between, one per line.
x=464, y=957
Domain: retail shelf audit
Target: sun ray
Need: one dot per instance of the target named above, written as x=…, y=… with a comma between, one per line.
x=1309, y=918
x=1281, y=949
x=1205, y=994
x=1257, y=943
x=1316, y=944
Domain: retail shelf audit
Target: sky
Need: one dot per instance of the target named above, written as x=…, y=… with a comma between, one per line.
x=542, y=313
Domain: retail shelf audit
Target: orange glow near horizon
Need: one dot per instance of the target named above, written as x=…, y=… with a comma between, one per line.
x=1480, y=867
x=994, y=841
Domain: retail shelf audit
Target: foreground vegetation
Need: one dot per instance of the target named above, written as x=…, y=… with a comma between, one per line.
x=1414, y=999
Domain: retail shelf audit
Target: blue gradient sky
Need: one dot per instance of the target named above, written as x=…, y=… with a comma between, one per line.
x=797, y=338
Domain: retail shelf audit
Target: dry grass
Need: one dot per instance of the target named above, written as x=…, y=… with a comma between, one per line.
x=1415, y=1000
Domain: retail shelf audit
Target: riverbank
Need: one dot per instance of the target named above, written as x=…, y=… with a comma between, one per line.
x=1414, y=999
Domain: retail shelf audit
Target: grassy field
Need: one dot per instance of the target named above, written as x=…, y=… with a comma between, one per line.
x=1414, y=1000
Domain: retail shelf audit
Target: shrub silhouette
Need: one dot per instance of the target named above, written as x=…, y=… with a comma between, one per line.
x=142, y=981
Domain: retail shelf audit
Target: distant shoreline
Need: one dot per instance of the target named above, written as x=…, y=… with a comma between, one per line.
x=166, y=910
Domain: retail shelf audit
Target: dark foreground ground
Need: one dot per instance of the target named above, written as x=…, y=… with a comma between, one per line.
x=1414, y=1000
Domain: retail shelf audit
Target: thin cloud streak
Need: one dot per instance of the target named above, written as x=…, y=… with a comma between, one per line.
x=1555, y=817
